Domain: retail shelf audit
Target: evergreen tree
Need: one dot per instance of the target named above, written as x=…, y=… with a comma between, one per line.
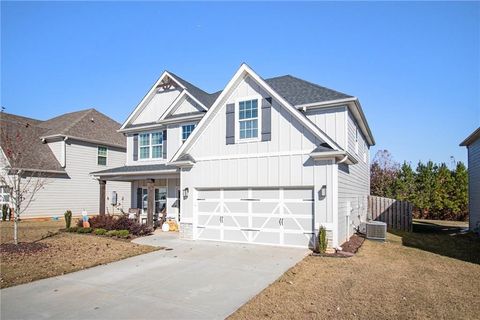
x=425, y=182
x=405, y=188
x=460, y=191
x=442, y=205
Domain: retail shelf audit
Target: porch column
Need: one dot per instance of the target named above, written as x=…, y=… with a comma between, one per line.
x=150, y=201
x=103, y=184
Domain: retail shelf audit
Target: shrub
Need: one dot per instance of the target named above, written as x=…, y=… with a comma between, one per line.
x=109, y=222
x=105, y=221
x=84, y=230
x=322, y=240
x=100, y=232
x=72, y=229
x=4, y=212
x=111, y=233
x=123, y=234
x=68, y=218
x=80, y=223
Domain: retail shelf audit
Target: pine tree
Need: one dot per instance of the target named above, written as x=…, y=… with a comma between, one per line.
x=405, y=188
x=425, y=181
x=460, y=191
x=442, y=205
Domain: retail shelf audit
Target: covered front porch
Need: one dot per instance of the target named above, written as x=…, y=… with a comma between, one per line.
x=155, y=191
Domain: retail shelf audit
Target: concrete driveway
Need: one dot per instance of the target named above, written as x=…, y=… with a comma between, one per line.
x=194, y=280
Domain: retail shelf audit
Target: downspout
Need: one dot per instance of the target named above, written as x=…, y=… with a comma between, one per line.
x=343, y=160
x=64, y=152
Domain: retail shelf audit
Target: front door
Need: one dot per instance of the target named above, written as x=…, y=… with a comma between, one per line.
x=160, y=201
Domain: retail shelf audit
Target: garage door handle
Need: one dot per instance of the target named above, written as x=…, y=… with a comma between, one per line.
x=250, y=229
x=280, y=221
x=308, y=233
x=247, y=199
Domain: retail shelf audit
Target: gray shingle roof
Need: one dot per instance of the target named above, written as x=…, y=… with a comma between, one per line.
x=27, y=135
x=206, y=98
x=87, y=124
x=133, y=169
x=297, y=91
x=20, y=139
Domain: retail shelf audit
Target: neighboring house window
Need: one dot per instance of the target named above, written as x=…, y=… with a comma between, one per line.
x=102, y=156
x=187, y=130
x=248, y=119
x=4, y=196
x=150, y=145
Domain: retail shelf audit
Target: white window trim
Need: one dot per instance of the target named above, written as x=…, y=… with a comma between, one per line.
x=194, y=124
x=150, y=146
x=237, y=120
x=106, y=156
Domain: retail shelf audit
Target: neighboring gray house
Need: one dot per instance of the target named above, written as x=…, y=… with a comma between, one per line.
x=265, y=161
x=64, y=150
x=473, y=146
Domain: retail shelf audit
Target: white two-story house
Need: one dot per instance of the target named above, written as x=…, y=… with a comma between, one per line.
x=264, y=161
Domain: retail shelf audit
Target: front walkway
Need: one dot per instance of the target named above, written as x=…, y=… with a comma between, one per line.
x=194, y=280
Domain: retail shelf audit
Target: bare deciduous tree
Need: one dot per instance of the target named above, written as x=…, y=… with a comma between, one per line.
x=21, y=180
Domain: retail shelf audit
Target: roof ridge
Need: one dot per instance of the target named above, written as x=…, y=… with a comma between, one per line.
x=74, y=123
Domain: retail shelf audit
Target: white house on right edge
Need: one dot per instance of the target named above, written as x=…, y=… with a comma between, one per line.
x=472, y=142
x=264, y=161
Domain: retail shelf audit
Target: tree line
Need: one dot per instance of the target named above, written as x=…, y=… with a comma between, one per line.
x=435, y=191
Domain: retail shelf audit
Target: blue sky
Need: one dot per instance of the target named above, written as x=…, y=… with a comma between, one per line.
x=414, y=66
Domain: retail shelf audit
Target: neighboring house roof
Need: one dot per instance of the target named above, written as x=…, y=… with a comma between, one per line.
x=471, y=138
x=298, y=92
x=136, y=169
x=27, y=134
x=89, y=125
x=22, y=135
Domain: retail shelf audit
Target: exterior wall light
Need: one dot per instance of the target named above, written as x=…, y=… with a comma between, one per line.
x=185, y=193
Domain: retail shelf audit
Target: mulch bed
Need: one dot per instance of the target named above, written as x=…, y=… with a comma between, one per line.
x=349, y=248
x=353, y=244
x=23, y=247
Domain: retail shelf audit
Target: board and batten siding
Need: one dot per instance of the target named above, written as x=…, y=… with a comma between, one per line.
x=332, y=121
x=474, y=184
x=283, y=161
x=353, y=184
x=156, y=106
x=77, y=190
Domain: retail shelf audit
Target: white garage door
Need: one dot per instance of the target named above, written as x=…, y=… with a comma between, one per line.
x=280, y=216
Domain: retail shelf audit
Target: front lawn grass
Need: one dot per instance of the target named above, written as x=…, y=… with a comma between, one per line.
x=62, y=252
x=423, y=275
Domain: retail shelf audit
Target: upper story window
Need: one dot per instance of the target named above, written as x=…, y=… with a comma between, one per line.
x=186, y=131
x=102, y=156
x=150, y=145
x=248, y=119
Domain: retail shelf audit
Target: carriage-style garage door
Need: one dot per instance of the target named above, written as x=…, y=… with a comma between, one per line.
x=280, y=216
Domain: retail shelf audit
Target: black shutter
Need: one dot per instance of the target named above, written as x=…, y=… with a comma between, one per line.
x=135, y=147
x=230, y=124
x=266, y=119
x=164, y=148
x=139, y=198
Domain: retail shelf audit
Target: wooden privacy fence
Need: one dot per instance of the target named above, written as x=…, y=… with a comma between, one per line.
x=395, y=213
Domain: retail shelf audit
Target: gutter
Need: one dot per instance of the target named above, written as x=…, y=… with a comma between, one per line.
x=133, y=173
x=354, y=104
x=340, y=156
x=65, y=138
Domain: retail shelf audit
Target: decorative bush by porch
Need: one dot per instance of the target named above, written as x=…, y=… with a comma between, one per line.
x=109, y=222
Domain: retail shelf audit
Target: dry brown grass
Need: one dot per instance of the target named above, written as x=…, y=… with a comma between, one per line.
x=383, y=281
x=66, y=252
